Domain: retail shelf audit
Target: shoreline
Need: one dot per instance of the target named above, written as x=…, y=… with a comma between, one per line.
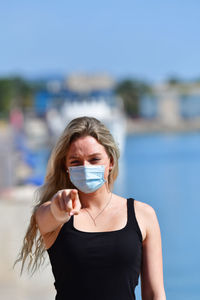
x=143, y=126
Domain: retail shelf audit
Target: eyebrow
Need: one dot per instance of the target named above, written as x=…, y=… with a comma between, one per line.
x=93, y=154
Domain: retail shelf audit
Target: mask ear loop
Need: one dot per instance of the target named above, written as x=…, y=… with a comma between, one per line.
x=110, y=171
x=107, y=181
x=73, y=187
x=67, y=172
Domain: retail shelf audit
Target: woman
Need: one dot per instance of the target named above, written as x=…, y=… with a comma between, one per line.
x=98, y=242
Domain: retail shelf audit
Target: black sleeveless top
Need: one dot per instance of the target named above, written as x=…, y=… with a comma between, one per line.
x=97, y=265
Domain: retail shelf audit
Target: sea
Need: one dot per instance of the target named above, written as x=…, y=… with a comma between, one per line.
x=163, y=170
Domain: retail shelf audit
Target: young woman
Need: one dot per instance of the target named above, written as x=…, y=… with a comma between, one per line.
x=98, y=243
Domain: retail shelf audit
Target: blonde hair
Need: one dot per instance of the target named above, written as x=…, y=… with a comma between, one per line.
x=33, y=248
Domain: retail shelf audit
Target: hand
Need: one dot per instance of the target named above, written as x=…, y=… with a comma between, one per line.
x=64, y=204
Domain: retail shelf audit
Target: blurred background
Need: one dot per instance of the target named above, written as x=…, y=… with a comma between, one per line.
x=135, y=66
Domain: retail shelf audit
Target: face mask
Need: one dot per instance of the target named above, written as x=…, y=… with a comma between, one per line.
x=87, y=179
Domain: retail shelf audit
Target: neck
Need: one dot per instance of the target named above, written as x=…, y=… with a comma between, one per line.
x=96, y=200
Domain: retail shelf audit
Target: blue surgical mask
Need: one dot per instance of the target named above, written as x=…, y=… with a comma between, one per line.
x=87, y=179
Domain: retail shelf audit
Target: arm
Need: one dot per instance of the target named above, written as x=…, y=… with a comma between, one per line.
x=52, y=214
x=152, y=285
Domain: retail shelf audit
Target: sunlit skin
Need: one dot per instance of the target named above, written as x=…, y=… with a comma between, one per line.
x=87, y=151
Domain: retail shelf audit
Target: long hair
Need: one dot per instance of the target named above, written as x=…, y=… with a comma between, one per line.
x=33, y=248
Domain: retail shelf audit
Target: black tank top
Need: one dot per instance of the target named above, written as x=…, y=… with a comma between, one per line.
x=97, y=265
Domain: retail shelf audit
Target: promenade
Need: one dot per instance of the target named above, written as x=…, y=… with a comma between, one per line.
x=15, y=208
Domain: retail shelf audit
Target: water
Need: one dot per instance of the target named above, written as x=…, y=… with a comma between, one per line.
x=163, y=171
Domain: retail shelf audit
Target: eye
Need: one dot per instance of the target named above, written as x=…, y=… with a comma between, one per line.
x=74, y=162
x=95, y=159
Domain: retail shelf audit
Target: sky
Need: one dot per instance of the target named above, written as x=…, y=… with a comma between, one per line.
x=146, y=39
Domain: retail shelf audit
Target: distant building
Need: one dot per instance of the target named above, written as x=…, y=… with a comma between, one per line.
x=77, y=87
x=189, y=106
x=148, y=107
x=82, y=95
x=170, y=105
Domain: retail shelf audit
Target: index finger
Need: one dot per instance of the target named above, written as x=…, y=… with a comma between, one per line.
x=75, y=202
x=74, y=194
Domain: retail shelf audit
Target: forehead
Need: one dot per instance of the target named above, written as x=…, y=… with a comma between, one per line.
x=85, y=146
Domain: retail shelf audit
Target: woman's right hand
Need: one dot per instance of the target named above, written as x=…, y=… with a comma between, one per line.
x=64, y=204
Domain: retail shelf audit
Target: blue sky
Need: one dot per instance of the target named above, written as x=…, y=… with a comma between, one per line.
x=145, y=39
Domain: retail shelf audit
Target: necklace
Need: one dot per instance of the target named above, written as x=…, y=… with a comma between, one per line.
x=100, y=211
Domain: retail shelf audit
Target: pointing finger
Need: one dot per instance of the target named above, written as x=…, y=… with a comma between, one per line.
x=76, y=204
x=66, y=201
x=74, y=194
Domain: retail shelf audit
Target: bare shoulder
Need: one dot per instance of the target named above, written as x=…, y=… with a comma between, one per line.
x=145, y=209
x=146, y=217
